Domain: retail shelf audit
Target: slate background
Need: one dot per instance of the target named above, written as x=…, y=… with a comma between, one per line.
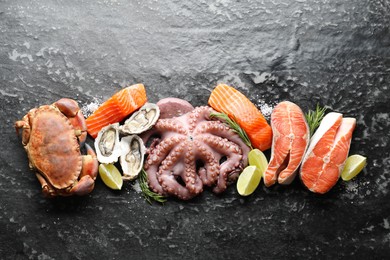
x=335, y=53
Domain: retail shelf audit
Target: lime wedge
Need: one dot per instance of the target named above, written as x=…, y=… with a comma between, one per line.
x=248, y=180
x=258, y=159
x=111, y=176
x=353, y=165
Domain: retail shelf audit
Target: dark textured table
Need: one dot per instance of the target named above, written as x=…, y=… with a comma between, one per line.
x=335, y=53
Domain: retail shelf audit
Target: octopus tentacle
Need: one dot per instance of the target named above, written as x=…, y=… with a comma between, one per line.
x=218, y=129
x=192, y=180
x=155, y=158
x=170, y=125
x=171, y=170
x=209, y=172
x=199, y=114
x=233, y=161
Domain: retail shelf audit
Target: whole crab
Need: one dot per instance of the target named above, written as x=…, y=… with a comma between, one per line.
x=51, y=136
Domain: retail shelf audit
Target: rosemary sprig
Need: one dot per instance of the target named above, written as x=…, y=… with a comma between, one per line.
x=146, y=192
x=314, y=118
x=234, y=126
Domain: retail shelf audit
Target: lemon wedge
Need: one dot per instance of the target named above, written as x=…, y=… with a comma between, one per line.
x=353, y=166
x=248, y=180
x=111, y=176
x=258, y=159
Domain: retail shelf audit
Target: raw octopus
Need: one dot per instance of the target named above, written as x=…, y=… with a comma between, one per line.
x=192, y=151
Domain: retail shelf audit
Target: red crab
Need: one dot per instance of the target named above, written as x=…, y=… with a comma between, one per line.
x=52, y=135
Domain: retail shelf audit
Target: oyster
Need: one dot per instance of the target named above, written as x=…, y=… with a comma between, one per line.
x=141, y=120
x=132, y=158
x=107, y=144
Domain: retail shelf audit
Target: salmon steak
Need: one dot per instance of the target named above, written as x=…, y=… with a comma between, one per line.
x=328, y=150
x=290, y=140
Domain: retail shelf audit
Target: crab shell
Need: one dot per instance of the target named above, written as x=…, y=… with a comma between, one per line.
x=51, y=136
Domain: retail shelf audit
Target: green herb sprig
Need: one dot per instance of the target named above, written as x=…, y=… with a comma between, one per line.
x=314, y=118
x=146, y=192
x=234, y=126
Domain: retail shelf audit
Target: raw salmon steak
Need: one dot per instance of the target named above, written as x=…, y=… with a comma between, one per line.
x=325, y=158
x=237, y=106
x=290, y=140
x=116, y=108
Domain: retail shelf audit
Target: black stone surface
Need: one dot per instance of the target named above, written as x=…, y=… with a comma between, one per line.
x=335, y=53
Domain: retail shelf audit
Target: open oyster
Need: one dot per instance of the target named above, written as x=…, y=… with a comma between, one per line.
x=132, y=158
x=107, y=144
x=141, y=120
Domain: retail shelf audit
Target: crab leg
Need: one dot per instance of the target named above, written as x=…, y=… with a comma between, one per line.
x=47, y=189
x=24, y=124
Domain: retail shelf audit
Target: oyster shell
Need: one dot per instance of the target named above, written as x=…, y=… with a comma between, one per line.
x=107, y=144
x=141, y=120
x=132, y=158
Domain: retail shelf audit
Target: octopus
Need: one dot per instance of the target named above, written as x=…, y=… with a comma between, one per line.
x=191, y=152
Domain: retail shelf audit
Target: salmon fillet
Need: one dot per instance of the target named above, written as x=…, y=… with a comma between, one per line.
x=237, y=106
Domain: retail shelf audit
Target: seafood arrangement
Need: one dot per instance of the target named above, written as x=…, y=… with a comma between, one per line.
x=176, y=150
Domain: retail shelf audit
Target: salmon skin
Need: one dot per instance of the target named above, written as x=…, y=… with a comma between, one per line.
x=237, y=106
x=328, y=150
x=117, y=108
x=290, y=140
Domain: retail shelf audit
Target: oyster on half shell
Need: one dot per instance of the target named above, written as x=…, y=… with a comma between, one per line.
x=141, y=120
x=107, y=145
x=132, y=158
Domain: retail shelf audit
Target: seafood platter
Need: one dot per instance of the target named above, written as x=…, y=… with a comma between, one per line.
x=214, y=129
x=184, y=149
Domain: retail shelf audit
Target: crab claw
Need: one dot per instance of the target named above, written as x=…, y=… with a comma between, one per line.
x=90, y=163
x=88, y=174
x=84, y=186
x=68, y=107
x=71, y=109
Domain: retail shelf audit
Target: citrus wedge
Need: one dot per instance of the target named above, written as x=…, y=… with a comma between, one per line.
x=353, y=166
x=248, y=180
x=258, y=159
x=111, y=176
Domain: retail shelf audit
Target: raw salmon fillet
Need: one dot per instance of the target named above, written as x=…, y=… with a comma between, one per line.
x=290, y=140
x=327, y=152
x=117, y=108
x=230, y=101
